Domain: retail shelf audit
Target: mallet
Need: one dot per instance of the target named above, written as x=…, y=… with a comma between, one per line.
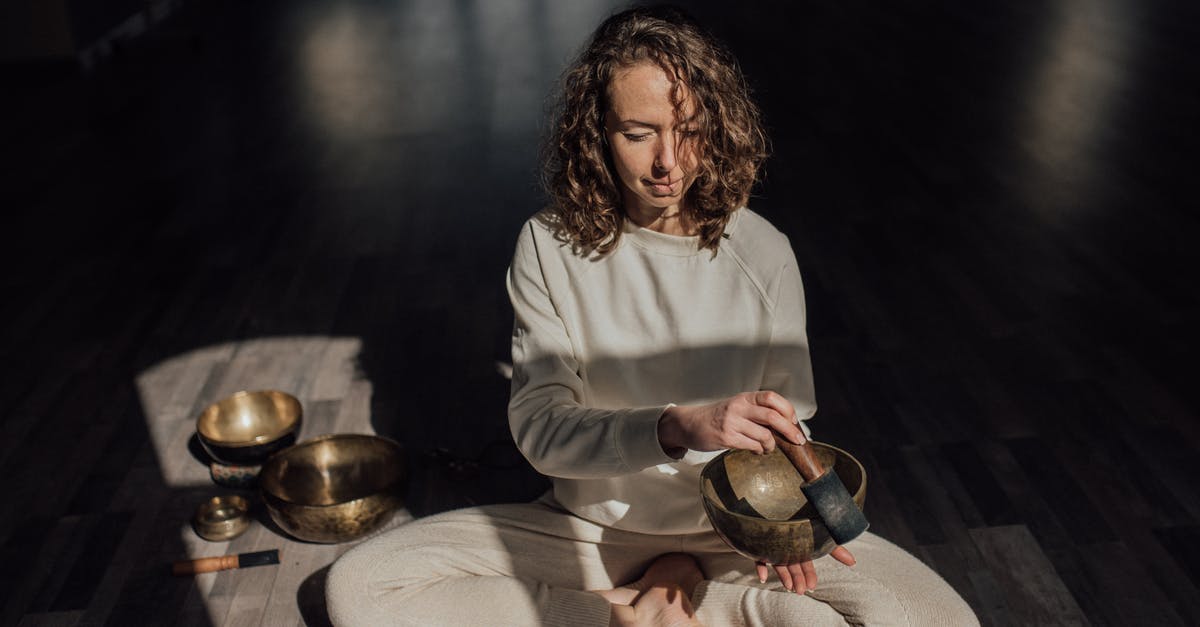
x=842, y=517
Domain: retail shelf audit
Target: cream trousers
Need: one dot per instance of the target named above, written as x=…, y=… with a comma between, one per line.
x=530, y=564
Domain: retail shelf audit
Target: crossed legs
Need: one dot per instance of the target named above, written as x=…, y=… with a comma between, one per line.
x=534, y=563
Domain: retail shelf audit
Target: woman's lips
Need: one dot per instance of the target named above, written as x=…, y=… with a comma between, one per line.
x=668, y=188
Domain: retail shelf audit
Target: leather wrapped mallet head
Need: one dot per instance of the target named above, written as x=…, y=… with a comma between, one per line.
x=824, y=489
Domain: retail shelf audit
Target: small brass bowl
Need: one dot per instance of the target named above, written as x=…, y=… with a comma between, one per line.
x=246, y=428
x=755, y=504
x=333, y=488
x=222, y=518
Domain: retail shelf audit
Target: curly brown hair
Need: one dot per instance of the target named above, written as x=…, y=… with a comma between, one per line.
x=578, y=176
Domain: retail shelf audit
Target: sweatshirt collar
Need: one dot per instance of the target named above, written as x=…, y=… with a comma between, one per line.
x=675, y=245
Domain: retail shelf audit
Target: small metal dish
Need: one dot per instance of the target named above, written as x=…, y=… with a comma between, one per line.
x=222, y=518
x=246, y=428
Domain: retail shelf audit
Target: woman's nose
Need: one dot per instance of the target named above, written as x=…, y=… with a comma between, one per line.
x=665, y=159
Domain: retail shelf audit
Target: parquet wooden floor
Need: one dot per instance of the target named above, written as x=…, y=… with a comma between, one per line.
x=993, y=205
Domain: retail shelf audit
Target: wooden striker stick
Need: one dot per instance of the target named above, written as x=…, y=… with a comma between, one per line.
x=802, y=458
x=204, y=565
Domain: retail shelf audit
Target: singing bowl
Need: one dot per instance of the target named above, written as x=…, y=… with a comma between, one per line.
x=333, y=488
x=222, y=518
x=755, y=504
x=246, y=428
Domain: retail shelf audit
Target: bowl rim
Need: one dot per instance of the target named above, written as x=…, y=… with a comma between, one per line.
x=803, y=521
x=389, y=487
x=228, y=528
x=258, y=440
x=233, y=501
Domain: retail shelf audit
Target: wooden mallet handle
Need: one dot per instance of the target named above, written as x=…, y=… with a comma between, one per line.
x=802, y=457
x=204, y=565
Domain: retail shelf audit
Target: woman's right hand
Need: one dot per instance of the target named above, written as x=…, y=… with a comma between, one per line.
x=802, y=576
x=744, y=421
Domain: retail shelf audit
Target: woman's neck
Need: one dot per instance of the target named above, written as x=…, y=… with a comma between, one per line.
x=667, y=220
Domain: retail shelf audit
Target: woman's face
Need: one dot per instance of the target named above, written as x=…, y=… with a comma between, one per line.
x=653, y=145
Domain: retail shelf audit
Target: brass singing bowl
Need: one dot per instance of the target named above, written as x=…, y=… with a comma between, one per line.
x=246, y=428
x=755, y=504
x=333, y=488
x=222, y=518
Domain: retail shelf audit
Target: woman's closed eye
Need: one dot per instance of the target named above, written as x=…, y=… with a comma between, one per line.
x=686, y=133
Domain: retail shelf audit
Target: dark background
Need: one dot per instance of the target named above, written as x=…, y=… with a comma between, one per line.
x=993, y=204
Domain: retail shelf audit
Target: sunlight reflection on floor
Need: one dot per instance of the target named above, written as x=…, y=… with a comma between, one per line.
x=322, y=372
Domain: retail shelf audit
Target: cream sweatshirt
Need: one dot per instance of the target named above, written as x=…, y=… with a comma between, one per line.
x=603, y=345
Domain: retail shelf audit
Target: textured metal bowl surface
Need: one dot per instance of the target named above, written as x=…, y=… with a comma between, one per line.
x=334, y=488
x=246, y=428
x=222, y=518
x=755, y=504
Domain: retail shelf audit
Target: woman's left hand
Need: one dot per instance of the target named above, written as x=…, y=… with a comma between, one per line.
x=802, y=577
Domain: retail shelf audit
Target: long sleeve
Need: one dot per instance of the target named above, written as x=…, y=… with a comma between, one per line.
x=789, y=365
x=552, y=427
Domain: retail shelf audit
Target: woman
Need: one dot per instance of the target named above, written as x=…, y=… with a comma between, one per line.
x=657, y=322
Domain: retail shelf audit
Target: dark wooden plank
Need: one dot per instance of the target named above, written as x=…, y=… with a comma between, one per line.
x=148, y=594
x=1133, y=502
x=1127, y=595
x=1061, y=491
x=992, y=605
x=130, y=554
x=1118, y=471
x=1171, y=458
x=1035, y=594
x=873, y=390
x=898, y=479
x=51, y=619
x=62, y=555
x=33, y=536
x=13, y=388
x=935, y=410
x=116, y=453
x=25, y=417
x=979, y=486
x=998, y=403
x=1183, y=544
x=861, y=415
x=93, y=561
x=884, y=510
x=959, y=559
x=948, y=561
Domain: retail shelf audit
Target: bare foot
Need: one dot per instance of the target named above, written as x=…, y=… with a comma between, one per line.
x=663, y=605
x=680, y=569
x=662, y=597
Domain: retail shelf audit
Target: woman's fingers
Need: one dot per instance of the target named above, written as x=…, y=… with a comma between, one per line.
x=777, y=402
x=771, y=419
x=798, y=578
x=759, y=426
x=785, y=577
x=761, y=435
x=842, y=554
x=801, y=577
x=747, y=421
x=809, y=572
x=747, y=443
